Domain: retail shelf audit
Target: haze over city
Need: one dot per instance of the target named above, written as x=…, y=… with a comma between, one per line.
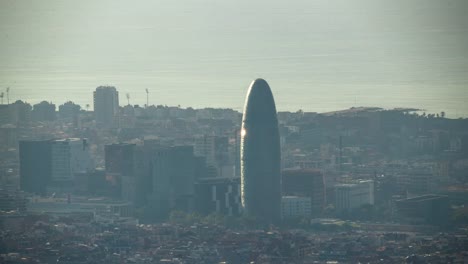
x=206, y=131
x=319, y=55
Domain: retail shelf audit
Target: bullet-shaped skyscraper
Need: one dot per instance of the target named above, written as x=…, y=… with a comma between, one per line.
x=260, y=155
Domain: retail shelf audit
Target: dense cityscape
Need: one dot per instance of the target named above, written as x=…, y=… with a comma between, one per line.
x=122, y=183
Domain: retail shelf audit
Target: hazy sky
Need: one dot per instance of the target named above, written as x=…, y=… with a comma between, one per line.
x=317, y=55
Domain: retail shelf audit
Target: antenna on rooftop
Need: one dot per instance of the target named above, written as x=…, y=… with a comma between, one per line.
x=128, y=98
x=1, y=96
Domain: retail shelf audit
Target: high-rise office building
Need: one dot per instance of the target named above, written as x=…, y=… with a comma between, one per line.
x=260, y=155
x=52, y=163
x=205, y=146
x=172, y=180
x=69, y=156
x=120, y=160
x=35, y=165
x=215, y=150
x=106, y=106
x=218, y=195
x=305, y=183
x=61, y=156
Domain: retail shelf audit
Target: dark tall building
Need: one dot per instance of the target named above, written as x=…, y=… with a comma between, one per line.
x=172, y=180
x=260, y=155
x=215, y=150
x=35, y=165
x=106, y=106
x=121, y=167
x=120, y=158
x=218, y=195
x=305, y=183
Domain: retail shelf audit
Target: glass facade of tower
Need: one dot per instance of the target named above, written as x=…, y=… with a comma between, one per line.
x=260, y=155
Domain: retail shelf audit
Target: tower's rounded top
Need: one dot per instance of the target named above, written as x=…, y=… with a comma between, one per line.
x=259, y=88
x=259, y=85
x=259, y=103
x=260, y=81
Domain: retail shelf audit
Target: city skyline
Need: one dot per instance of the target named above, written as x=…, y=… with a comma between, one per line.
x=185, y=181
x=127, y=134
x=90, y=106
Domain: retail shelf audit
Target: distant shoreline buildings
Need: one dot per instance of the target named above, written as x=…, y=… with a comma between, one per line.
x=106, y=106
